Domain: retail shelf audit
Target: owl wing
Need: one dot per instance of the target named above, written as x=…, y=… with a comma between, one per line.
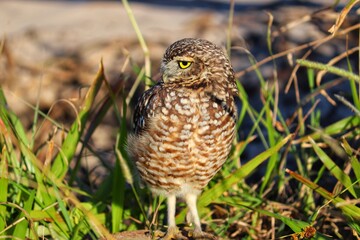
x=145, y=108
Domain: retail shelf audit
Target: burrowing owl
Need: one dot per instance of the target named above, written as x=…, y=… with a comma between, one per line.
x=184, y=125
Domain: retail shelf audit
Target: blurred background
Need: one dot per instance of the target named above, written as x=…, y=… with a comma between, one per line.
x=52, y=50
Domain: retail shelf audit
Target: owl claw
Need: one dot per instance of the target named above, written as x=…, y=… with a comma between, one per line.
x=196, y=234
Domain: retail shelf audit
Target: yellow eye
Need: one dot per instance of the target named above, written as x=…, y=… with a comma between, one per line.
x=184, y=64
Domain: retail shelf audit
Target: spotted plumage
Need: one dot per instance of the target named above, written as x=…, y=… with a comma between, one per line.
x=184, y=125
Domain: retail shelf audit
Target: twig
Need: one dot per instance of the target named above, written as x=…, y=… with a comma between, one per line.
x=342, y=16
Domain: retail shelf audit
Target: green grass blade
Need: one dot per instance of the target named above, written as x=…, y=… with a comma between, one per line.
x=67, y=151
x=352, y=211
x=13, y=119
x=334, y=169
x=274, y=157
x=296, y=225
x=338, y=127
x=36, y=116
x=355, y=225
x=103, y=193
x=62, y=207
x=121, y=172
x=244, y=102
x=355, y=163
x=4, y=187
x=22, y=227
x=12, y=124
x=118, y=196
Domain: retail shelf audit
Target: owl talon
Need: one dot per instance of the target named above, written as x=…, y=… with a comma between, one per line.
x=198, y=235
x=158, y=234
x=173, y=233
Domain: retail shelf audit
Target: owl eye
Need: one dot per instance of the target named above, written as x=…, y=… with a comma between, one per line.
x=184, y=64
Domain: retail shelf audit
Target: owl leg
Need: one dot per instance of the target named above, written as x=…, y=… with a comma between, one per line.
x=171, y=208
x=190, y=199
x=173, y=231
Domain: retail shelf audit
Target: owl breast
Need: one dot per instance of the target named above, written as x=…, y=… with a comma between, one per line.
x=185, y=140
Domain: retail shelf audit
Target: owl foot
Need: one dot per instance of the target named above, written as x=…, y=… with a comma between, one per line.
x=200, y=235
x=173, y=233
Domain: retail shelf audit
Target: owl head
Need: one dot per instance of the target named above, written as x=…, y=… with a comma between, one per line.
x=196, y=63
